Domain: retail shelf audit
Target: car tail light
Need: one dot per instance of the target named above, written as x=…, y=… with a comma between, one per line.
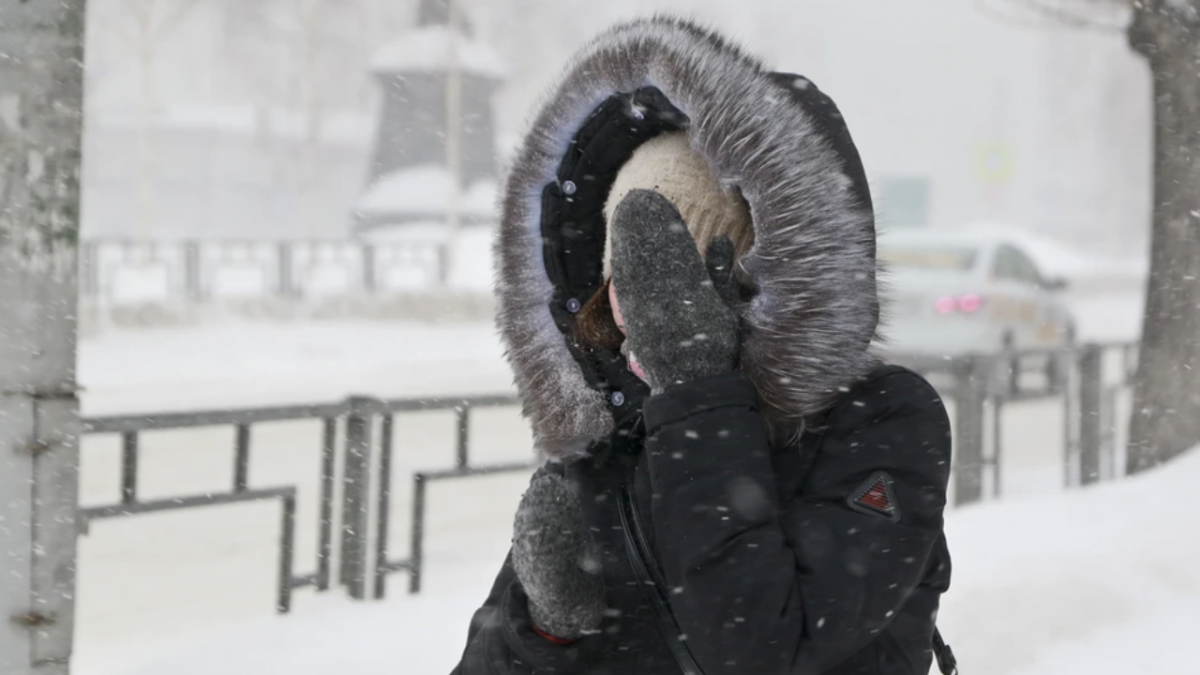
x=958, y=304
x=970, y=303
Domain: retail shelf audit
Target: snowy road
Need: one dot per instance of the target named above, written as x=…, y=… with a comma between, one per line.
x=150, y=587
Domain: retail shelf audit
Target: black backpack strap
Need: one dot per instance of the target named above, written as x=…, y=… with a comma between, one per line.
x=944, y=655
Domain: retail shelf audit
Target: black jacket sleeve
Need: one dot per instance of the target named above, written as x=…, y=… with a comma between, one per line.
x=501, y=640
x=770, y=583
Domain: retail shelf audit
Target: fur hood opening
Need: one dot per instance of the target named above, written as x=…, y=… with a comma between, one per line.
x=774, y=138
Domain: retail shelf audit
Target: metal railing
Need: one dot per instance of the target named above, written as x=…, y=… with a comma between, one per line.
x=360, y=422
x=357, y=416
x=982, y=386
x=130, y=428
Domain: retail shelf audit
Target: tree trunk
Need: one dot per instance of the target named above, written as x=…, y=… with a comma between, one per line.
x=41, y=120
x=1166, y=411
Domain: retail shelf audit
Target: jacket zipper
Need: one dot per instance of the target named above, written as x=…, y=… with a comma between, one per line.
x=652, y=585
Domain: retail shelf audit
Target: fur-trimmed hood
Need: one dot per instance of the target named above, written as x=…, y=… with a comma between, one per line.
x=774, y=137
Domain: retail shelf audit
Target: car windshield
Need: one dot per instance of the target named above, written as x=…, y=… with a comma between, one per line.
x=944, y=258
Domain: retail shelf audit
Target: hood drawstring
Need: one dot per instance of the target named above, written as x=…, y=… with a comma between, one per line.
x=944, y=655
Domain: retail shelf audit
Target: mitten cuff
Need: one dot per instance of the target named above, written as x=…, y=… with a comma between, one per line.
x=533, y=645
x=568, y=623
x=562, y=642
x=689, y=398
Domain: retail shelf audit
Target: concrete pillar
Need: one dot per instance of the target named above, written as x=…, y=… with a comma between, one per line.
x=41, y=96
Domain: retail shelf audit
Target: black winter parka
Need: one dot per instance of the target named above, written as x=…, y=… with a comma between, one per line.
x=727, y=550
x=764, y=559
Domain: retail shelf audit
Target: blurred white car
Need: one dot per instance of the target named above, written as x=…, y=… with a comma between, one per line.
x=950, y=293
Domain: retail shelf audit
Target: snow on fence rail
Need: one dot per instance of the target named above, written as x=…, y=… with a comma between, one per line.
x=979, y=387
x=129, y=272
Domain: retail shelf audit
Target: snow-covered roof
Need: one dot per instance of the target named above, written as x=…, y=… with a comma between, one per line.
x=430, y=48
x=426, y=192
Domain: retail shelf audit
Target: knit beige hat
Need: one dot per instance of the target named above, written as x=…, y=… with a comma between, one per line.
x=668, y=165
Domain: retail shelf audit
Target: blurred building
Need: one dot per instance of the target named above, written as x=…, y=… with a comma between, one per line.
x=226, y=120
x=412, y=179
x=252, y=120
x=962, y=111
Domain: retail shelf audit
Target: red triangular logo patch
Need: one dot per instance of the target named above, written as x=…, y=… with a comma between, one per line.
x=875, y=497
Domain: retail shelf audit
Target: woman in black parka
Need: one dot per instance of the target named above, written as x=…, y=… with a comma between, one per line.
x=735, y=485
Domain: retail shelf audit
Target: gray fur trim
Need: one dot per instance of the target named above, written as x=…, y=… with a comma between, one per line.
x=812, y=322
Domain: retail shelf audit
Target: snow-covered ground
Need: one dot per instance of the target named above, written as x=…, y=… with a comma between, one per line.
x=193, y=591
x=1098, y=581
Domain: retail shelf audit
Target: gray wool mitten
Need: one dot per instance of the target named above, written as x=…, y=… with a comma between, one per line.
x=556, y=559
x=679, y=315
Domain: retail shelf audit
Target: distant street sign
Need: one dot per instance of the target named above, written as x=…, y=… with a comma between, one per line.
x=994, y=162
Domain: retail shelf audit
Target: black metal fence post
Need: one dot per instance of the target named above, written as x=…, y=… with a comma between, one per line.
x=417, y=535
x=129, y=466
x=971, y=385
x=356, y=506
x=384, y=504
x=1091, y=418
x=285, y=268
x=462, y=422
x=325, y=537
x=241, y=458
x=287, y=547
x=369, y=279
x=192, y=291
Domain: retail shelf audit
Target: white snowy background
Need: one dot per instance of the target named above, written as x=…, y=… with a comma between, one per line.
x=205, y=116
x=1097, y=581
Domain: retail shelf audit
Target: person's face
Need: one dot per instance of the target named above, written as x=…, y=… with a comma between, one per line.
x=634, y=366
x=616, y=308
